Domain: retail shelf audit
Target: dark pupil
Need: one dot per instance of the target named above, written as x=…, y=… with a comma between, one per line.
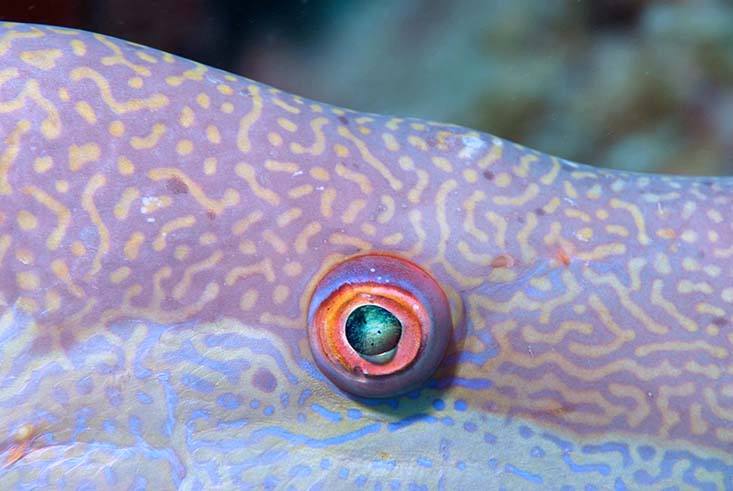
x=372, y=330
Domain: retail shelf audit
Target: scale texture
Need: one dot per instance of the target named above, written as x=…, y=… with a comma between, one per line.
x=163, y=224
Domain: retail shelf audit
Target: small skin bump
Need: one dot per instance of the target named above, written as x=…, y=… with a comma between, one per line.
x=24, y=256
x=124, y=166
x=78, y=249
x=503, y=179
x=319, y=173
x=135, y=82
x=132, y=245
x=341, y=150
x=61, y=186
x=585, y=234
x=287, y=125
x=280, y=294
x=184, y=147
x=78, y=47
x=27, y=280
x=210, y=166
x=292, y=268
x=727, y=295
x=43, y=59
x=207, y=239
x=470, y=176
x=666, y=233
x=203, y=100
x=275, y=139
x=502, y=261
x=248, y=300
x=213, y=135
x=186, y=119
x=444, y=165
x=120, y=274
x=689, y=236
x=225, y=89
x=27, y=220
x=181, y=252
x=52, y=301
x=43, y=164
x=85, y=111
x=227, y=108
x=116, y=128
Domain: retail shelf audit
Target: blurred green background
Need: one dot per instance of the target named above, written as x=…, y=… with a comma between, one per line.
x=636, y=85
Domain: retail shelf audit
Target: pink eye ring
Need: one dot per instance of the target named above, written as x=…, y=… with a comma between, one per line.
x=378, y=325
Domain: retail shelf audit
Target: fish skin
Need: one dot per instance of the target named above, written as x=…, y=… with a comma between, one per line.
x=163, y=225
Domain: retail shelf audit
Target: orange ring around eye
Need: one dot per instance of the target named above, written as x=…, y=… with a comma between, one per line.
x=404, y=290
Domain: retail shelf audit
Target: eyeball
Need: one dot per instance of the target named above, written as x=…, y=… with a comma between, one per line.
x=378, y=325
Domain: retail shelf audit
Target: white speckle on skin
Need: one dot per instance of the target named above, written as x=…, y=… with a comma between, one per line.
x=372, y=270
x=472, y=145
x=150, y=203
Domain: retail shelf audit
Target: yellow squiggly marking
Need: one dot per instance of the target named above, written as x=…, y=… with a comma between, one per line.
x=309, y=231
x=276, y=243
x=356, y=177
x=187, y=221
x=529, y=193
x=243, y=142
x=10, y=36
x=278, y=166
x=625, y=299
x=263, y=268
x=81, y=155
x=149, y=141
x=352, y=211
x=11, y=154
x=63, y=215
x=61, y=270
x=670, y=308
x=287, y=217
x=249, y=174
x=367, y=155
x=154, y=102
x=179, y=291
x=229, y=199
x=676, y=346
x=317, y=147
x=122, y=208
x=87, y=202
x=118, y=58
x=469, y=223
x=327, y=198
x=43, y=59
x=342, y=239
x=637, y=215
x=284, y=105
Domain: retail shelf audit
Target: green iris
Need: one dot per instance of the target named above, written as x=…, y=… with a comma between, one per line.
x=374, y=333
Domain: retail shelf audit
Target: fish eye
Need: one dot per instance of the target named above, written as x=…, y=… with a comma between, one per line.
x=378, y=325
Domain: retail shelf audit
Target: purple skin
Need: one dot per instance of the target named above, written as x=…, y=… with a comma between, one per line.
x=162, y=228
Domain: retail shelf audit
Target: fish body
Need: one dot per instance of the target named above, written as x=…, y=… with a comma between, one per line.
x=163, y=225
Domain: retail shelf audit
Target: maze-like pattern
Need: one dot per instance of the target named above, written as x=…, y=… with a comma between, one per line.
x=162, y=225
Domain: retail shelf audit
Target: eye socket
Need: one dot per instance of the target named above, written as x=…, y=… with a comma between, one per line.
x=378, y=325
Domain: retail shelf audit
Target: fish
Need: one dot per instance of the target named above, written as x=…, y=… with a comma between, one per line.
x=180, y=246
